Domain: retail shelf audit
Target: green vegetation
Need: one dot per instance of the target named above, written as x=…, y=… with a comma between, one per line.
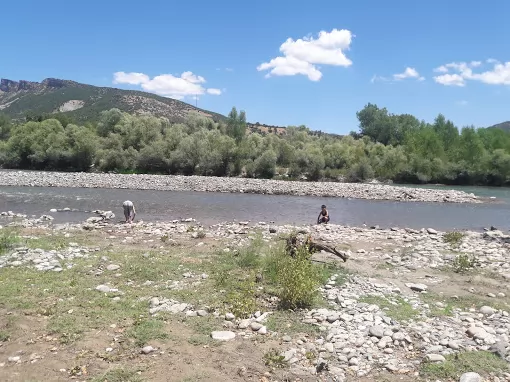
x=396, y=307
x=387, y=147
x=8, y=239
x=454, y=238
x=273, y=359
x=482, y=362
x=464, y=263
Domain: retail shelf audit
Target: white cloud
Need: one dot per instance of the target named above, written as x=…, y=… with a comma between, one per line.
x=301, y=56
x=130, y=78
x=450, y=80
x=188, y=84
x=463, y=71
x=407, y=73
x=214, y=91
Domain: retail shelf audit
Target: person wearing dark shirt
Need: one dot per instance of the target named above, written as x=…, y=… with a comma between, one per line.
x=323, y=215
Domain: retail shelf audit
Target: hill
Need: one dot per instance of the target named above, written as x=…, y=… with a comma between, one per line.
x=84, y=102
x=503, y=126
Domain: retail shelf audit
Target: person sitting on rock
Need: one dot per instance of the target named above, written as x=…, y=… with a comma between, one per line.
x=323, y=216
x=129, y=211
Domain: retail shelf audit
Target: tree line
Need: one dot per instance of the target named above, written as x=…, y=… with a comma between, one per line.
x=395, y=147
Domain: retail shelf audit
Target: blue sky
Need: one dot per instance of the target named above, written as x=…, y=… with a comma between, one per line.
x=210, y=47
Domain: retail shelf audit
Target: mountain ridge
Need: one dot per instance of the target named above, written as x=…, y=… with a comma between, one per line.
x=84, y=102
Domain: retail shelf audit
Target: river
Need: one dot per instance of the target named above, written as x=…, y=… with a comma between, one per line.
x=211, y=208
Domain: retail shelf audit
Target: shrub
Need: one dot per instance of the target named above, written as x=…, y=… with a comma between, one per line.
x=296, y=278
x=8, y=238
x=463, y=263
x=453, y=238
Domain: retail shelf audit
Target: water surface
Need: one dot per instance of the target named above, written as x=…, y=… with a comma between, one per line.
x=210, y=208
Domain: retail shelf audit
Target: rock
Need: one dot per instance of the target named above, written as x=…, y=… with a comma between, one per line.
x=262, y=330
x=112, y=267
x=477, y=332
x=417, y=287
x=103, y=288
x=470, y=377
x=223, y=335
x=243, y=324
x=255, y=326
x=431, y=231
x=147, y=349
x=230, y=317
x=487, y=310
x=435, y=358
x=376, y=331
x=202, y=313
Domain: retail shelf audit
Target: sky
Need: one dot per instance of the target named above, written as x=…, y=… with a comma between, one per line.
x=284, y=63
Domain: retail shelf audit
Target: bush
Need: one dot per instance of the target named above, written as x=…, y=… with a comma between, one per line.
x=8, y=238
x=296, y=279
x=453, y=238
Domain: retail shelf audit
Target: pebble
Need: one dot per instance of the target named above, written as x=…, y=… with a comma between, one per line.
x=470, y=377
x=223, y=335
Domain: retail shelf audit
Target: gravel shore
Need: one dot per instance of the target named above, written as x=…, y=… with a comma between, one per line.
x=232, y=185
x=402, y=306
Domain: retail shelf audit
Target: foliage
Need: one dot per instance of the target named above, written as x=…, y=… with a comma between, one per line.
x=296, y=278
x=395, y=147
x=453, y=238
x=8, y=238
x=483, y=362
x=464, y=263
x=274, y=359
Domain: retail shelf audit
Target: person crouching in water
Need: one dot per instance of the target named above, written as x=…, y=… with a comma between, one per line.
x=323, y=215
x=129, y=211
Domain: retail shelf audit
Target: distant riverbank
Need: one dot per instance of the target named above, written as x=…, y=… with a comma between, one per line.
x=232, y=185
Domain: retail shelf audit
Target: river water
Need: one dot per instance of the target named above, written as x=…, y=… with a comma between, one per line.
x=210, y=208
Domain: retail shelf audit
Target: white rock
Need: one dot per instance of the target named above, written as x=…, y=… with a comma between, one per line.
x=225, y=335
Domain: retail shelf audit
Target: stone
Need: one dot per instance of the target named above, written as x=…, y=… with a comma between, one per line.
x=230, y=317
x=470, y=377
x=255, y=326
x=103, y=288
x=147, y=349
x=435, y=358
x=476, y=332
x=243, y=324
x=376, y=331
x=487, y=310
x=202, y=313
x=417, y=287
x=431, y=231
x=223, y=335
x=113, y=267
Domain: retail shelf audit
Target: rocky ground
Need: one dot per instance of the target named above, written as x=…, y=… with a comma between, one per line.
x=236, y=185
x=104, y=301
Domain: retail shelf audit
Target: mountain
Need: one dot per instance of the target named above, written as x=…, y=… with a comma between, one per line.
x=84, y=102
x=503, y=126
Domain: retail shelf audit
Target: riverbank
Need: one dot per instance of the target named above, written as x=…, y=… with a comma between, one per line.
x=107, y=300
x=232, y=185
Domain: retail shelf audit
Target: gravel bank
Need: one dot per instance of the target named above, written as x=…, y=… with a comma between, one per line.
x=232, y=185
x=357, y=333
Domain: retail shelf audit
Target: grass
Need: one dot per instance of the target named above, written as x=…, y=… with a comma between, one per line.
x=286, y=322
x=145, y=330
x=454, y=238
x=119, y=375
x=8, y=239
x=482, y=362
x=273, y=359
x=395, y=308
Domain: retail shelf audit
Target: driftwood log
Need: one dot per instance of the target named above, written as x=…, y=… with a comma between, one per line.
x=295, y=243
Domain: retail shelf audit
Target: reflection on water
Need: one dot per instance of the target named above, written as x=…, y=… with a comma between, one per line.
x=210, y=208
